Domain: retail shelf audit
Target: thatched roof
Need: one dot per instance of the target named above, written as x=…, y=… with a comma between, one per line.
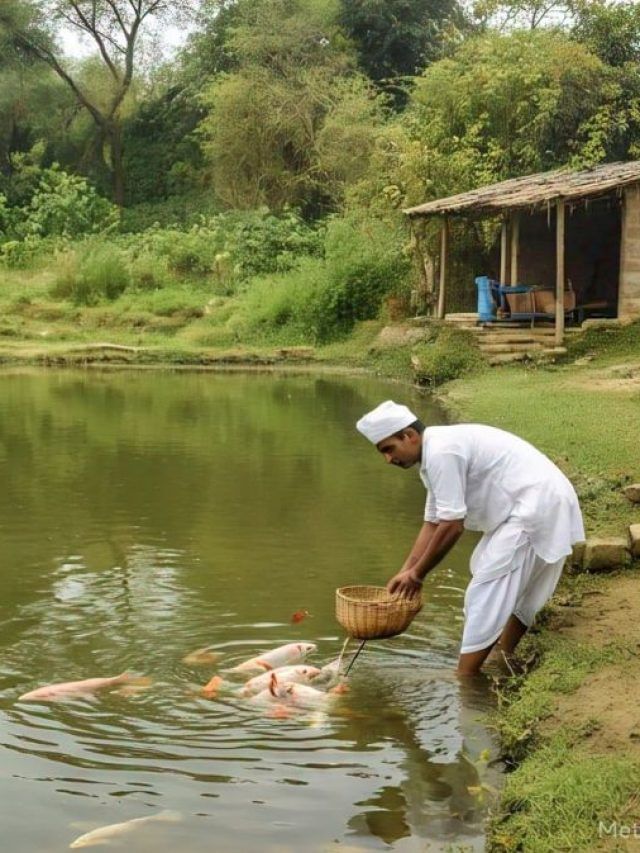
x=535, y=190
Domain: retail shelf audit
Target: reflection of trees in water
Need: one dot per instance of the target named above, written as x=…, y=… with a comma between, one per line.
x=431, y=781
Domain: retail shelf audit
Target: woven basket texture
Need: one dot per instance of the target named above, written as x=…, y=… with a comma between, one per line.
x=371, y=613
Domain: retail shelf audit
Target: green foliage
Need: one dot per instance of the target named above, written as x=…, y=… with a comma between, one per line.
x=182, y=211
x=262, y=135
x=319, y=301
x=281, y=308
x=364, y=264
x=501, y=106
x=398, y=38
x=161, y=155
x=88, y=276
x=234, y=246
x=450, y=354
x=67, y=206
x=556, y=800
x=610, y=30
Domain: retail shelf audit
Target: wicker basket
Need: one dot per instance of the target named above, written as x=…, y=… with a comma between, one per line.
x=370, y=612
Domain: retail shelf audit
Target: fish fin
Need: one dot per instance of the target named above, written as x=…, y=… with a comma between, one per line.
x=211, y=688
x=169, y=815
x=273, y=683
x=263, y=663
x=138, y=680
x=279, y=712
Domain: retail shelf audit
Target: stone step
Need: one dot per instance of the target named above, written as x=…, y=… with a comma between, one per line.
x=504, y=348
x=494, y=338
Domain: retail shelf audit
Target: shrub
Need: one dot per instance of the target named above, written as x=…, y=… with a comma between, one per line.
x=365, y=263
x=149, y=272
x=99, y=274
x=281, y=307
x=66, y=206
x=452, y=353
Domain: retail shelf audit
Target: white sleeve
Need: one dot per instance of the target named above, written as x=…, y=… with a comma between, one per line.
x=448, y=479
x=430, y=513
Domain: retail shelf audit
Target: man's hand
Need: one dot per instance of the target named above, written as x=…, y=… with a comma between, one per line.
x=405, y=583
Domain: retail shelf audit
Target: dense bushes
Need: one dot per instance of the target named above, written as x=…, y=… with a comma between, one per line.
x=450, y=354
x=320, y=300
x=100, y=273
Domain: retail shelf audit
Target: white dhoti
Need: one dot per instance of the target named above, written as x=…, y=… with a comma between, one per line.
x=509, y=577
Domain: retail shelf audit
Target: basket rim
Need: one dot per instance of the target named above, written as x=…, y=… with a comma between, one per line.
x=393, y=601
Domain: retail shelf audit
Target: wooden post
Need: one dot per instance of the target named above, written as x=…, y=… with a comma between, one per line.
x=515, y=246
x=560, y=273
x=444, y=251
x=503, y=252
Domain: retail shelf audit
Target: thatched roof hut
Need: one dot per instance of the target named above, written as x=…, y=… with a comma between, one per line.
x=597, y=247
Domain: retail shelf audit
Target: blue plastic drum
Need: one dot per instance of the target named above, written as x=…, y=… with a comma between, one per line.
x=486, y=305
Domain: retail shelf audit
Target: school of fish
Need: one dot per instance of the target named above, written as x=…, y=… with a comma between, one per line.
x=278, y=680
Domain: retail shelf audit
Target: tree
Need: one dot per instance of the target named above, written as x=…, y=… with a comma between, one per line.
x=115, y=28
x=263, y=133
x=610, y=30
x=506, y=15
x=396, y=39
x=509, y=105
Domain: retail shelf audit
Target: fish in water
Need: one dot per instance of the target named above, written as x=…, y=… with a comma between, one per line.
x=298, y=695
x=201, y=657
x=329, y=674
x=282, y=656
x=54, y=692
x=301, y=674
x=106, y=834
x=212, y=687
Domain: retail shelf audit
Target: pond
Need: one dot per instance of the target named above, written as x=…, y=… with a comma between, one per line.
x=144, y=515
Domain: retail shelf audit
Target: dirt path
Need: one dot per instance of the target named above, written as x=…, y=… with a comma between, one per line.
x=608, y=701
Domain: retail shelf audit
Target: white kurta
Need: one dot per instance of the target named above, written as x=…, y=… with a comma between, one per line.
x=485, y=475
x=526, y=508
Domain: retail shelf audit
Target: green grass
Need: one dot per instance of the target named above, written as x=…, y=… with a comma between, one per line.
x=556, y=798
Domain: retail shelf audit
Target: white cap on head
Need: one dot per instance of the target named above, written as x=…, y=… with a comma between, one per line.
x=385, y=420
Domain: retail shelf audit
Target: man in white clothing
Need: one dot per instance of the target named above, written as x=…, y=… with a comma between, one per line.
x=482, y=478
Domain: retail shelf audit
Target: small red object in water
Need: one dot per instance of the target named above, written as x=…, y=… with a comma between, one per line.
x=339, y=689
x=299, y=615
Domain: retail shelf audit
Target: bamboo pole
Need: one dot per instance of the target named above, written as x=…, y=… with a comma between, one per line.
x=503, y=252
x=515, y=246
x=444, y=251
x=560, y=272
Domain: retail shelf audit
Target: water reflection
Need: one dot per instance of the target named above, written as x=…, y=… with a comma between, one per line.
x=147, y=515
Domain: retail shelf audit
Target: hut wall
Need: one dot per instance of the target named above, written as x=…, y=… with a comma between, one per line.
x=629, y=297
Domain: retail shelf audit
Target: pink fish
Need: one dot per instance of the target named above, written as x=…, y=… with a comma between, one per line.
x=298, y=695
x=53, y=692
x=282, y=656
x=293, y=674
x=329, y=674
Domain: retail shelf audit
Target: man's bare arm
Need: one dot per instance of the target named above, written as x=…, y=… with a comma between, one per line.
x=420, y=545
x=438, y=544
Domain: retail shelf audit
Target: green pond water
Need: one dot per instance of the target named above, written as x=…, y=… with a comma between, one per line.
x=144, y=515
